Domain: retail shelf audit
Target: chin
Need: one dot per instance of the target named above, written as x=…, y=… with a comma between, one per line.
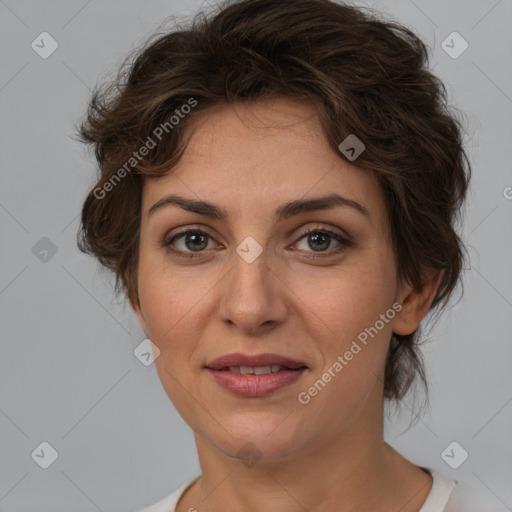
x=249, y=450
x=258, y=436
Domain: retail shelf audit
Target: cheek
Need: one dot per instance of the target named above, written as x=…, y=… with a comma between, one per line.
x=349, y=300
x=351, y=319
x=168, y=295
x=354, y=342
x=171, y=306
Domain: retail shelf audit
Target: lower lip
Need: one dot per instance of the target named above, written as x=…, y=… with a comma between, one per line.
x=255, y=385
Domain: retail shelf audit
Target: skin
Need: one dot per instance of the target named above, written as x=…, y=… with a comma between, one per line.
x=323, y=456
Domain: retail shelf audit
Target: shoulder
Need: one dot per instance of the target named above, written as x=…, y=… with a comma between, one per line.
x=459, y=498
x=168, y=504
x=445, y=495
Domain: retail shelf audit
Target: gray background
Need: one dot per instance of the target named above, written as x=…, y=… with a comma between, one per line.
x=68, y=373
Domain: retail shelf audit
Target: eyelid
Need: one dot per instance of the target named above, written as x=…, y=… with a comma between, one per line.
x=340, y=235
x=189, y=227
x=183, y=231
x=326, y=229
x=317, y=227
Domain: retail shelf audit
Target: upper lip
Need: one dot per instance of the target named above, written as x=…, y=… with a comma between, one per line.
x=238, y=359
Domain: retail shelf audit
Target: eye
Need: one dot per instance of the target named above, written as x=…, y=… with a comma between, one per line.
x=320, y=239
x=190, y=241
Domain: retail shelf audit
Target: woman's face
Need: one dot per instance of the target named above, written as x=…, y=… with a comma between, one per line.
x=259, y=284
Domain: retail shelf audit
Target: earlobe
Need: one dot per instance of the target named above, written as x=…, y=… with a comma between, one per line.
x=416, y=303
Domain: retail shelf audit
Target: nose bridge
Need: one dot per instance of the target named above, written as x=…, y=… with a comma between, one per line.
x=251, y=296
x=250, y=267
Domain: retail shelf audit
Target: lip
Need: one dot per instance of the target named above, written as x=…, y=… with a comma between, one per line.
x=238, y=359
x=255, y=385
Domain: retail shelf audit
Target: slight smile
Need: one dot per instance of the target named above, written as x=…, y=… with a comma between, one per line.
x=255, y=375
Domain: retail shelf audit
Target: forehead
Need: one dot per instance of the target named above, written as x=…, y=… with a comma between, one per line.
x=259, y=154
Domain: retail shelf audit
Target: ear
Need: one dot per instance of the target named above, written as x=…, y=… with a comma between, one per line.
x=416, y=303
x=135, y=304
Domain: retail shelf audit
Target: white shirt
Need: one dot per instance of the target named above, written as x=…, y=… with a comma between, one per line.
x=437, y=500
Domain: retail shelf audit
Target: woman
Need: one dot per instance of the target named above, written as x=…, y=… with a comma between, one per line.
x=278, y=191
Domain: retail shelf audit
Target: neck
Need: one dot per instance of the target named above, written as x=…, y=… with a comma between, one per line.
x=350, y=470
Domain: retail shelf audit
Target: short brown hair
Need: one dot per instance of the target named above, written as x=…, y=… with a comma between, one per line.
x=366, y=76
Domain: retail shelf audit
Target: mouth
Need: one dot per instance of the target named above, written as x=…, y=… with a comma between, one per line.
x=257, y=370
x=271, y=361
x=255, y=376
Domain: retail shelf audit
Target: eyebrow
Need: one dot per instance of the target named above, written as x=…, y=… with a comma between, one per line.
x=283, y=212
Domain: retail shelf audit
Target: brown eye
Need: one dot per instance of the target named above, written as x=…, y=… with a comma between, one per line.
x=195, y=241
x=188, y=241
x=319, y=240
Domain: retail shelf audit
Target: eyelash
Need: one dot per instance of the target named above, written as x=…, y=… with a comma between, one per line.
x=344, y=242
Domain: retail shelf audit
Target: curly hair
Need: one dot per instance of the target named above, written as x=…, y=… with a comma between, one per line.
x=365, y=75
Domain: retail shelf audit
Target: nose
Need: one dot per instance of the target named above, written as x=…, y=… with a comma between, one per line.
x=254, y=298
